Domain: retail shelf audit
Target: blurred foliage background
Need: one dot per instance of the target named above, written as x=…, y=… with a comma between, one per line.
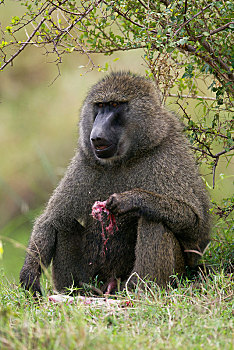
x=38, y=133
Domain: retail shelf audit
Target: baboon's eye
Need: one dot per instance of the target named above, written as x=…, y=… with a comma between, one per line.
x=100, y=104
x=114, y=104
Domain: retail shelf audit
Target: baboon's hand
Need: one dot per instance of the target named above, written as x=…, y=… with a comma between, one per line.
x=30, y=282
x=121, y=203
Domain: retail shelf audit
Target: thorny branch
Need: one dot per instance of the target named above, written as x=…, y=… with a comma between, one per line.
x=218, y=29
x=53, y=41
x=25, y=43
x=203, y=145
x=217, y=157
x=189, y=20
x=208, y=98
x=65, y=10
x=10, y=60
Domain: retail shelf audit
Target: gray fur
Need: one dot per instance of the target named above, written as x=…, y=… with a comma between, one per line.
x=152, y=186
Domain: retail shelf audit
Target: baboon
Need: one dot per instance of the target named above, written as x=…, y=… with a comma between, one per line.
x=132, y=153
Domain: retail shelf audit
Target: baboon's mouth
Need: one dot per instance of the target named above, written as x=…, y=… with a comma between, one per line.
x=105, y=151
x=101, y=147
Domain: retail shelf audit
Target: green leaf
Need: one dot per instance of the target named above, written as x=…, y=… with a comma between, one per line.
x=205, y=33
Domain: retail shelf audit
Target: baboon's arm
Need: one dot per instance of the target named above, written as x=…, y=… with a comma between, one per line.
x=59, y=216
x=179, y=215
x=41, y=248
x=39, y=253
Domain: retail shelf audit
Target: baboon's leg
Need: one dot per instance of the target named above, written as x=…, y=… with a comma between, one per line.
x=158, y=253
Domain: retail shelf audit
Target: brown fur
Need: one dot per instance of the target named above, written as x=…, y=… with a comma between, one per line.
x=152, y=186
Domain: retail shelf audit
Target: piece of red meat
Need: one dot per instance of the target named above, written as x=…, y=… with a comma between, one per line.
x=107, y=221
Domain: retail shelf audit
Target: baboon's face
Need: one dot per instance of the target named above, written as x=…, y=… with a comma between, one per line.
x=121, y=117
x=107, y=135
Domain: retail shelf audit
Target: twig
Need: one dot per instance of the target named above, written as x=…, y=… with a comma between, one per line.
x=216, y=58
x=57, y=64
x=126, y=17
x=189, y=20
x=223, y=152
x=141, y=2
x=185, y=8
x=214, y=170
x=32, y=19
x=216, y=156
x=194, y=97
x=64, y=10
x=30, y=37
x=200, y=150
x=208, y=132
x=193, y=251
x=66, y=30
x=218, y=29
x=145, y=284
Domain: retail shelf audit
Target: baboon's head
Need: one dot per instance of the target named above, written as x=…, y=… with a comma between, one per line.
x=121, y=115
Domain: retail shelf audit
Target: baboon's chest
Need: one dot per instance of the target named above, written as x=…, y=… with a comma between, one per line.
x=111, y=255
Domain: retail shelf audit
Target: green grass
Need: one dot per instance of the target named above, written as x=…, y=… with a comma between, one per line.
x=197, y=314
